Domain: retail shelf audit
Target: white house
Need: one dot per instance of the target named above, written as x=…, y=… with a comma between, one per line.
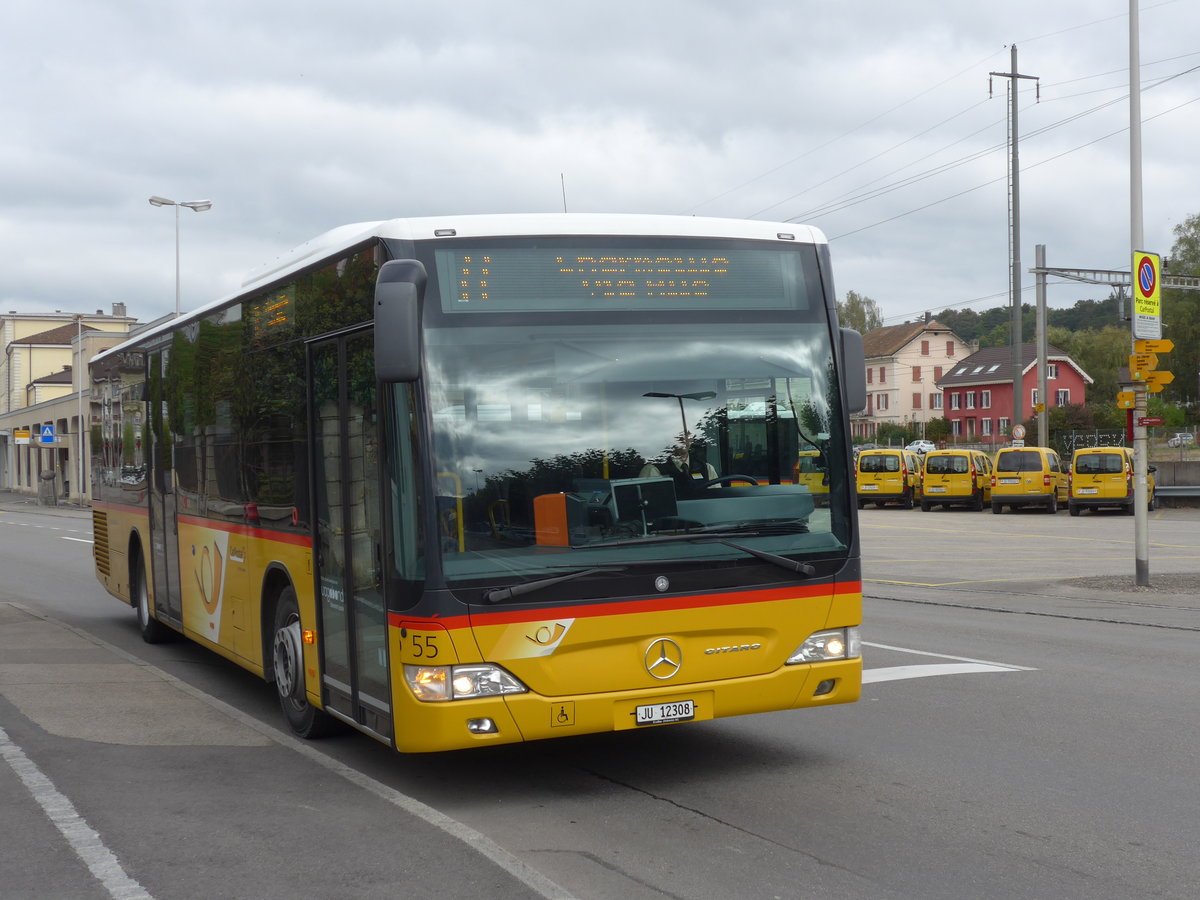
x=904, y=363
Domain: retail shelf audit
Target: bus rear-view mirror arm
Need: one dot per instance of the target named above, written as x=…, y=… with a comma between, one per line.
x=399, y=288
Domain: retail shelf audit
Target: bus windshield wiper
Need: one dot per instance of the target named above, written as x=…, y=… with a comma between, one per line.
x=792, y=565
x=499, y=595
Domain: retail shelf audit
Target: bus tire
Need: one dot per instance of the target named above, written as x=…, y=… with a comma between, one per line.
x=1073, y=508
x=907, y=500
x=926, y=506
x=977, y=504
x=153, y=631
x=1052, y=506
x=287, y=661
x=996, y=507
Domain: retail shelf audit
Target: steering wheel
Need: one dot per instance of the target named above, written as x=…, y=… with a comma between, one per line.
x=729, y=479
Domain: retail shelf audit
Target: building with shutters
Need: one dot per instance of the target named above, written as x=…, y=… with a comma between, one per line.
x=977, y=392
x=904, y=363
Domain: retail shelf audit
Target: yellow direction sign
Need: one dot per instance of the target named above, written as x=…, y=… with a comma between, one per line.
x=1125, y=400
x=1156, y=380
x=1140, y=364
x=1161, y=346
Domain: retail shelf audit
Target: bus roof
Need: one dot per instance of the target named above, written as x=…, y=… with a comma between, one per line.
x=433, y=228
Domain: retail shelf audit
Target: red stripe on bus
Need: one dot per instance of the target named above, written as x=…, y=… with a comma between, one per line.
x=627, y=607
x=282, y=537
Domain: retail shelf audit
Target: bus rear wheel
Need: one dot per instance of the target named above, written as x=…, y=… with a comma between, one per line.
x=287, y=660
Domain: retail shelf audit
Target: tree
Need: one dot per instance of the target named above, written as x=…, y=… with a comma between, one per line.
x=1099, y=353
x=938, y=429
x=859, y=312
x=1181, y=315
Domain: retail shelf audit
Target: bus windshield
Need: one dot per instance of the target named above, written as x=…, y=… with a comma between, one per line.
x=557, y=446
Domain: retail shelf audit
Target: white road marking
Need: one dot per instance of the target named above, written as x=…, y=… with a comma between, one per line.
x=986, y=662
x=81, y=540
x=897, y=673
x=82, y=837
x=962, y=665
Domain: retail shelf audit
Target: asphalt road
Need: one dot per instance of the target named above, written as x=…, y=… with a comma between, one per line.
x=1027, y=729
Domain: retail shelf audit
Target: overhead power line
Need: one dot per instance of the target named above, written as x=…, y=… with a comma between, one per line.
x=846, y=201
x=1024, y=168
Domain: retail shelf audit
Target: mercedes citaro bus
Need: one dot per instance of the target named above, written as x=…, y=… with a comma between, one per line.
x=472, y=480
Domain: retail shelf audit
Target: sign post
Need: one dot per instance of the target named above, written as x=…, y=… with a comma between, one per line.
x=1146, y=275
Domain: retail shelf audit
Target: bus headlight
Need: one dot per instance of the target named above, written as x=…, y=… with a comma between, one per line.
x=822, y=646
x=432, y=684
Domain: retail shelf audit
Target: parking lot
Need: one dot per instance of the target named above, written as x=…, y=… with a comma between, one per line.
x=1027, y=560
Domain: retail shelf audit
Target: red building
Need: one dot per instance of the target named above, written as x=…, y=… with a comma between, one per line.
x=977, y=393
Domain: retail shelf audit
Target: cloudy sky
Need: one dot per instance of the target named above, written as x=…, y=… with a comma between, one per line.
x=870, y=119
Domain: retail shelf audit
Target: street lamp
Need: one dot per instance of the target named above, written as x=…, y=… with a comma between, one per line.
x=195, y=206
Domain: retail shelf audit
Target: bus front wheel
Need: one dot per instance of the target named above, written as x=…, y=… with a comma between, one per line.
x=287, y=659
x=153, y=631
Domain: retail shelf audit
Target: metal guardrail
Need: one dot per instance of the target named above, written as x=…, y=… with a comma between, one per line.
x=1177, y=490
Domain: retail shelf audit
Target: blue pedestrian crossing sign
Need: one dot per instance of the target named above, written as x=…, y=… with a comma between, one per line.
x=47, y=435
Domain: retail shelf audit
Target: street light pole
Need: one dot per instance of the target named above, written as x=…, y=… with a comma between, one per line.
x=80, y=371
x=195, y=206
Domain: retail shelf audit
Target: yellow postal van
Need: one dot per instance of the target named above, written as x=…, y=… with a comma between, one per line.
x=956, y=477
x=1103, y=476
x=814, y=476
x=888, y=476
x=1028, y=476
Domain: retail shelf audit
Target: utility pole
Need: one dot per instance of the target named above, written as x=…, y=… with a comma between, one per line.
x=1043, y=346
x=1014, y=230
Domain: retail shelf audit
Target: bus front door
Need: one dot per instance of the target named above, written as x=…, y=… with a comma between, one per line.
x=164, y=531
x=349, y=539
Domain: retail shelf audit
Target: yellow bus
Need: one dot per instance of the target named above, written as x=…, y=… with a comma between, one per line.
x=474, y=480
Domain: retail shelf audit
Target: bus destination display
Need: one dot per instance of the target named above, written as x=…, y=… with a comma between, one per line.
x=511, y=279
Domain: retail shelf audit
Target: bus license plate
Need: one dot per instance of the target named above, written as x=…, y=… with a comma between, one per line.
x=868, y=487
x=1010, y=480
x=1087, y=491
x=661, y=713
x=935, y=490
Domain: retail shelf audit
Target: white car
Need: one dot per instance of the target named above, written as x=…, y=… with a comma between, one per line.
x=921, y=447
x=1182, y=439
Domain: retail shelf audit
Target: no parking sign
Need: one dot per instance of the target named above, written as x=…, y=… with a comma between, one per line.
x=1147, y=295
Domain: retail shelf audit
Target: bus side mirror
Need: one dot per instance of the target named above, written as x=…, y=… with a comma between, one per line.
x=854, y=370
x=399, y=289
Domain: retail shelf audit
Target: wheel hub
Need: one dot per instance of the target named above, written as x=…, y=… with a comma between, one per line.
x=288, y=656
